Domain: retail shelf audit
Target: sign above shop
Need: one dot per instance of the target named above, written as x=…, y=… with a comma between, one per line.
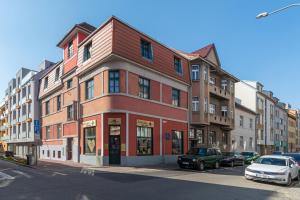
x=114, y=121
x=90, y=123
x=145, y=123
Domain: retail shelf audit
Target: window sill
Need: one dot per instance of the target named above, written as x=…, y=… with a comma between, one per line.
x=148, y=59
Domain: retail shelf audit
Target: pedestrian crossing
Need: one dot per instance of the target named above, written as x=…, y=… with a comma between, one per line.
x=11, y=174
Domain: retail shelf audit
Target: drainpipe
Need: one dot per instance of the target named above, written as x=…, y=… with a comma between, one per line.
x=78, y=119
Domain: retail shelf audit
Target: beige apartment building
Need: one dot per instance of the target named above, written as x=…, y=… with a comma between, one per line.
x=212, y=99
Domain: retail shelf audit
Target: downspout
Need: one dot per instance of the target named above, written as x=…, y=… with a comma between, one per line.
x=78, y=119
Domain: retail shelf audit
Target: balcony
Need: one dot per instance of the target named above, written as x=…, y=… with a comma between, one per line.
x=28, y=101
x=219, y=91
x=217, y=119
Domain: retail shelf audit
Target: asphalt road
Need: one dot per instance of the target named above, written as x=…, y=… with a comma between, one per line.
x=58, y=182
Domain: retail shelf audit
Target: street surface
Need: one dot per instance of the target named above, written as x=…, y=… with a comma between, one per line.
x=52, y=181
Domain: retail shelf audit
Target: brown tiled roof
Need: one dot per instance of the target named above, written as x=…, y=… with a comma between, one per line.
x=87, y=26
x=203, y=52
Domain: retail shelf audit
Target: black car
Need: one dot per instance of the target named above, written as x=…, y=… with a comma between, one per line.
x=232, y=159
x=296, y=156
x=9, y=154
x=200, y=158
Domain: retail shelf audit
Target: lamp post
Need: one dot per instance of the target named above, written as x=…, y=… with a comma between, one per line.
x=265, y=14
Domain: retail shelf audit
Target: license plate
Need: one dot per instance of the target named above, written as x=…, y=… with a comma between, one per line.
x=185, y=163
x=261, y=176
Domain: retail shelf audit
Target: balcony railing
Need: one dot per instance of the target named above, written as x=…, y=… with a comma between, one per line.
x=219, y=91
x=217, y=119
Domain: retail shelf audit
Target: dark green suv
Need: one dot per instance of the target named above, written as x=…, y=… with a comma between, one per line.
x=200, y=158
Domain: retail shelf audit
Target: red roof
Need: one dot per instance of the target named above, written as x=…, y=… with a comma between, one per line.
x=203, y=52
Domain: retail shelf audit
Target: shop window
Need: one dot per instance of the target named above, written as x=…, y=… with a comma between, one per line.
x=144, y=141
x=90, y=140
x=177, y=142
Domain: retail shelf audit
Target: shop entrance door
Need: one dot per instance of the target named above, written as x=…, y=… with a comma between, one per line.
x=69, y=148
x=114, y=145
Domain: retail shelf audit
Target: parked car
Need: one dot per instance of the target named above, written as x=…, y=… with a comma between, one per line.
x=296, y=156
x=9, y=154
x=250, y=156
x=277, y=153
x=200, y=158
x=232, y=159
x=273, y=168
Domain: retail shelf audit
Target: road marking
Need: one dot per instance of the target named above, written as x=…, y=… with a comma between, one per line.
x=2, y=170
x=22, y=173
x=4, y=176
x=58, y=173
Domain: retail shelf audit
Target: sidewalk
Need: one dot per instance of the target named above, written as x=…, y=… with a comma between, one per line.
x=42, y=163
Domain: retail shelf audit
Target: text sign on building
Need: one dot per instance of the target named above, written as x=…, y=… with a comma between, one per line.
x=114, y=121
x=145, y=123
x=90, y=123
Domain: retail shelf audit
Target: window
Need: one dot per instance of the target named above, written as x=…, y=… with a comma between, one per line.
x=59, y=154
x=14, y=99
x=225, y=138
x=58, y=131
x=251, y=142
x=262, y=134
x=199, y=136
x=224, y=111
x=144, y=141
x=24, y=92
x=241, y=121
x=29, y=108
x=87, y=51
x=178, y=65
x=177, y=142
x=29, y=90
x=89, y=89
x=47, y=132
x=90, y=140
x=14, y=129
x=23, y=110
x=212, y=137
x=205, y=73
x=46, y=83
x=58, y=103
x=195, y=104
x=69, y=83
x=205, y=104
x=195, y=72
x=14, y=115
x=212, y=108
x=114, y=82
x=48, y=153
x=57, y=72
x=24, y=127
x=144, y=85
x=175, y=97
x=212, y=80
x=29, y=127
x=251, y=123
x=241, y=141
x=70, y=113
x=146, y=49
x=70, y=49
x=53, y=154
x=47, y=107
x=224, y=84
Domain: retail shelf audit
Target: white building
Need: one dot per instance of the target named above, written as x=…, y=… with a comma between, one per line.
x=243, y=135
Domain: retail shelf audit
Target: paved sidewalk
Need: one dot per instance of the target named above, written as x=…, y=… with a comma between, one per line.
x=45, y=163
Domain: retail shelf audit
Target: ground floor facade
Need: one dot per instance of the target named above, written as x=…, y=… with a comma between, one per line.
x=3, y=146
x=281, y=146
x=265, y=149
x=131, y=139
x=22, y=149
x=209, y=136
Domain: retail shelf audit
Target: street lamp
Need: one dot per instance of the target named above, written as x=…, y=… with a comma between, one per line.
x=265, y=14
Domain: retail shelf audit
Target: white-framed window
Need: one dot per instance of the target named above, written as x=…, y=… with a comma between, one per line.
x=224, y=84
x=195, y=104
x=205, y=104
x=241, y=141
x=241, y=121
x=212, y=108
x=224, y=111
x=212, y=80
x=195, y=72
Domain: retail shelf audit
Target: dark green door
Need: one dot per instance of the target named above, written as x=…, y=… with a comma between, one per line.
x=114, y=146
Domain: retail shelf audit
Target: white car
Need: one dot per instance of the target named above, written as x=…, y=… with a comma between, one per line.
x=273, y=168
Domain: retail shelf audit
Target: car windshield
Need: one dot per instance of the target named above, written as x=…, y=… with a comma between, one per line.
x=198, y=151
x=271, y=161
x=247, y=154
x=295, y=156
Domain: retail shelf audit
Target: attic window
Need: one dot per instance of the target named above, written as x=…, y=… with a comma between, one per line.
x=146, y=49
x=70, y=49
x=177, y=65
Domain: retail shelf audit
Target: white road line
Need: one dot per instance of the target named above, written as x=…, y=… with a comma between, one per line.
x=4, y=176
x=58, y=173
x=22, y=173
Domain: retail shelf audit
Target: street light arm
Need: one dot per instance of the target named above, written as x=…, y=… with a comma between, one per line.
x=265, y=14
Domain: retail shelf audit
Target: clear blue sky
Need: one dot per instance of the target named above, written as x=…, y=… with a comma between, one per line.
x=265, y=50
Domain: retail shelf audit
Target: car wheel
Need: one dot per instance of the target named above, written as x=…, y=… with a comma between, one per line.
x=217, y=165
x=200, y=166
x=298, y=177
x=289, y=181
x=232, y=164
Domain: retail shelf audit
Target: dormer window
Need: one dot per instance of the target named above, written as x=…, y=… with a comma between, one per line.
x=87, y=51
x=46, y=83
x=146, y=49
x=70, y=49
x=177, y=65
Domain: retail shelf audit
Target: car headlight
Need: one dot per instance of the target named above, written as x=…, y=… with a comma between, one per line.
x=194, y=160
x=179, y=158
